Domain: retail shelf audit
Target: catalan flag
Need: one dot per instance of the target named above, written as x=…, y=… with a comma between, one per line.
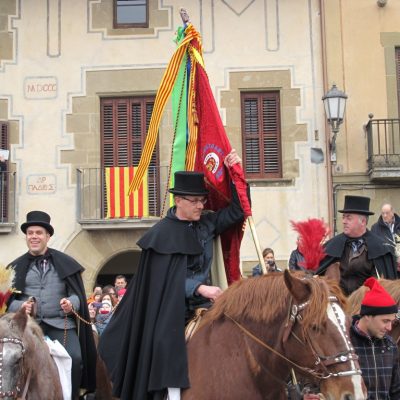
x=119, y=204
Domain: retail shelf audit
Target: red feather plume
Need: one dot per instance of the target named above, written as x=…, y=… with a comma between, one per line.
x=311, y=236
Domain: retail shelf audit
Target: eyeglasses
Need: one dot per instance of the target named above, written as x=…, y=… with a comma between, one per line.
x=202, y=201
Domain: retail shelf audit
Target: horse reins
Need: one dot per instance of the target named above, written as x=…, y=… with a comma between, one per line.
x=324, y=361
x=271, y=349
x=13, y=393
x=83, y=320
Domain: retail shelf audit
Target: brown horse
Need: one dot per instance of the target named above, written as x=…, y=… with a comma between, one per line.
x=260, y=328
x=392, y=287
x=27, y=366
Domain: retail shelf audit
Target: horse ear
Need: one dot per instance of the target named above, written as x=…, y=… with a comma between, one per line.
x=298, y=287
x=20, y=320
x=333, y=272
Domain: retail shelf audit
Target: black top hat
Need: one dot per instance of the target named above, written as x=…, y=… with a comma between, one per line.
x=37, y=218
x=190, y=183
x=356, y=205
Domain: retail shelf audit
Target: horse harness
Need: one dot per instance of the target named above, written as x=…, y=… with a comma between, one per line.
x=13, y=393
x=322, y=363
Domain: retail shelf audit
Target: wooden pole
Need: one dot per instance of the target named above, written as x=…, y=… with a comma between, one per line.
x=257, y=244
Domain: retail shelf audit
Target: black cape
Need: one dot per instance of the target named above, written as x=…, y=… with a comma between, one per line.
x=144, y=345
x=379, y=252
x=70, y=271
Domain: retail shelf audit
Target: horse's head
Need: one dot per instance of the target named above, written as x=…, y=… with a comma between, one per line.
x=12, y=350
x=317, y=336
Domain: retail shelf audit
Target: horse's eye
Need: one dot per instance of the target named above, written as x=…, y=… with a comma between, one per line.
x=318, y=328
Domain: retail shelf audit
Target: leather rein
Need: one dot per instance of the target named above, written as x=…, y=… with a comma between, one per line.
x=13, y=393
x=322, y=363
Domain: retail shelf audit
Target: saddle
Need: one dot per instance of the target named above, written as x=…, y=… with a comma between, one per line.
x=194, y=323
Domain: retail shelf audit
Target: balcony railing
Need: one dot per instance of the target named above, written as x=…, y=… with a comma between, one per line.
x=383, y=137
x=7, y=201
x=93, y=204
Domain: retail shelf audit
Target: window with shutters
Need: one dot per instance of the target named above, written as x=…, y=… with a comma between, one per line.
x=261, y=135
x=131, y=13
x=398, y=77
x=124, y=123
x=4, y=179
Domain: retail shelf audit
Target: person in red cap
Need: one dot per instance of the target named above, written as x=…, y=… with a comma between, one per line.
x=377, y=352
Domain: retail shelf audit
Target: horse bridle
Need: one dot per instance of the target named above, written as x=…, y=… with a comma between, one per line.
x=12, y=393
x=322, y=363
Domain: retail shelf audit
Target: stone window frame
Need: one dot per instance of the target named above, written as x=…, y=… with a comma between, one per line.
x=240, y=81
x=117, y=25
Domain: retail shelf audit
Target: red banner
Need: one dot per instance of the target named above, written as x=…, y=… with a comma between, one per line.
x=212, y=148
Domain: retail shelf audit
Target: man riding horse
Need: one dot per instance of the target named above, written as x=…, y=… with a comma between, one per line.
x=54, y=280
x=144, y=345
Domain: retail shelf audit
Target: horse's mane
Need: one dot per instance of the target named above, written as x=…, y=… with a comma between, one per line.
x=355, y=299
x=265, y=298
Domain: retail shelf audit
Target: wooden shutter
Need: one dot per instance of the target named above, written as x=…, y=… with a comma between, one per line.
x=4, y=181
x=261, y=135
x=398, y=77
x=124, y=124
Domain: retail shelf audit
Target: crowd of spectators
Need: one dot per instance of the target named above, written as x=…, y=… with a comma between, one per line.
x=103, y=301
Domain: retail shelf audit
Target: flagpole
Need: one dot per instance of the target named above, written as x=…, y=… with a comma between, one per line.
x=257, y=244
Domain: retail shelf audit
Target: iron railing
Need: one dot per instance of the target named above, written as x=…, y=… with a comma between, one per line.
x=92, y=194
x=7, y=197
x=383, y=136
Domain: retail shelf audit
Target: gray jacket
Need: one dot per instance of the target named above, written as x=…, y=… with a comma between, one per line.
x=48, y=290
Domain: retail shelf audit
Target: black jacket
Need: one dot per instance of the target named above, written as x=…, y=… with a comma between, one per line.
x=381, y=229
x=296, y=258
x=70, y=271
x=380, y=252
x=144, y=345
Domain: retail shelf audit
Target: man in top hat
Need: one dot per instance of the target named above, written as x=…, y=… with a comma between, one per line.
x=54, y=280
x=376, y=350
x=144, y=345
x=361, y=253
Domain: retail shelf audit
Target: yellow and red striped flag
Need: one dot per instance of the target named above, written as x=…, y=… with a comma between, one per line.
x=119, y=204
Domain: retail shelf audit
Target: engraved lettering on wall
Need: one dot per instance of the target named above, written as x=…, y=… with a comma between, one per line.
x=41, y=184
x=41, y=87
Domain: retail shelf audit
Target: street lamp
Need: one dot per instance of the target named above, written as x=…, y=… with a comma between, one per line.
x=335, y=104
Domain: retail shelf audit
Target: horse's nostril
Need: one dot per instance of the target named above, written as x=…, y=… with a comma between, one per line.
x=348, y=397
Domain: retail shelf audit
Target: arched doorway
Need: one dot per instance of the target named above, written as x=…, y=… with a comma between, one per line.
x=105, y=252
x=124, y=263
